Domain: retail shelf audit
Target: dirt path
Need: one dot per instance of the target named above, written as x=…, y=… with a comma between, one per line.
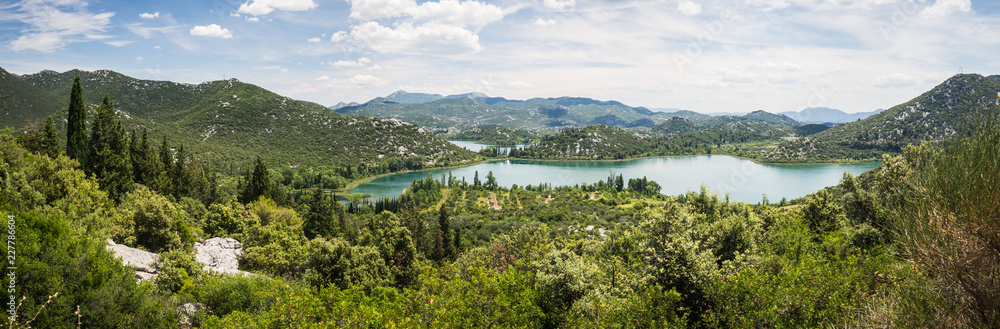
x=494, y=204
x=444, y=197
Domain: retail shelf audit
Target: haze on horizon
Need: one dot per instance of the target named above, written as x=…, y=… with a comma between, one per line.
x=704, y=56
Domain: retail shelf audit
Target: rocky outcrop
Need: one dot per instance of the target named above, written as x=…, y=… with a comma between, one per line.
x=187, y=313
x=146, y=264
x=220, y=255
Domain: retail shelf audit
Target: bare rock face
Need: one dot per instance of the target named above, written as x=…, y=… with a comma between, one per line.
x=220, y=255
x=144, y=262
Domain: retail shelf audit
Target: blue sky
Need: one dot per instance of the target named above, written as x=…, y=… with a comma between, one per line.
x=705, y=56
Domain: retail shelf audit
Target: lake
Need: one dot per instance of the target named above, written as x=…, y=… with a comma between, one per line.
x=744, y=180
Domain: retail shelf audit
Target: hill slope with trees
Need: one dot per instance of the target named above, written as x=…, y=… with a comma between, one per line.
x=232, y=122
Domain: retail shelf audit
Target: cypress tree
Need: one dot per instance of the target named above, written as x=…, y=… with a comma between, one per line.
x=108, y=147
x=444, y=243
x=161, y=175
x=319, y=219
x=50, y=143
x=255, y=184
x=180, y=174
x=76, y=127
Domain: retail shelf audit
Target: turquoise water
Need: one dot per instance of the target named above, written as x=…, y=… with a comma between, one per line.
x=744, y=180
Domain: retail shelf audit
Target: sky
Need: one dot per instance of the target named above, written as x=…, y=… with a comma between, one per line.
x=704, y=56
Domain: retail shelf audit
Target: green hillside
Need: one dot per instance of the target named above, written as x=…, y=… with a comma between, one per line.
x=944, y=111
x=593, y=142
x=495, y=135
x=231, y=122
x=22, y=104
x=461, y=112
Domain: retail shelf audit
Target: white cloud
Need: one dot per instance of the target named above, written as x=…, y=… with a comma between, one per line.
x=406, y=38
x=55, y=24
x=211, y=31
x=314, y=40
x=252, y=19
x=689, y=8
x=895, y=80
x=375, y=9
x=942, y=8
x=264, y=7
x=769, y=4
x=157, y=47
x=519, y=85
x=139, y=58
x=543, y=22
x=150, y=16
x=360, y=62
x=339, y=36
x=119, y=43
x=284, y=70
x=323, y=78
x=365, y=80
x=559, y=4
x=443, y=26
x=375, y=68
x=452, y=12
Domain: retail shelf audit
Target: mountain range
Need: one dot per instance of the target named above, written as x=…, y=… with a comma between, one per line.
x=823, y=115
x=228, y=121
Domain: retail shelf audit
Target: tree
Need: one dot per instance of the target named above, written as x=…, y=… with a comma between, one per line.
x=395, y=245
x=491, y=181
x=475, y=180
x=144, y=166
x=76, y=127
x=109, y=158
x=444, y=247
x=50, y=141
x=256, y=183
x=180, y=174
x=319, y=220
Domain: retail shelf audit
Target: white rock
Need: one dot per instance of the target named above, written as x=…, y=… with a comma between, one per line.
x=220, y=255
x=144, y=262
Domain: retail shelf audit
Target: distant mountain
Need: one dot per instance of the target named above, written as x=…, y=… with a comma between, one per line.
x=716, y=114
x=827, y=115
x=342, y=105
x=231, y=121
x=944, y=111
x=460, y=112
x=22, y=103
x=412, y=98
x=472, y=95
x=779, y=120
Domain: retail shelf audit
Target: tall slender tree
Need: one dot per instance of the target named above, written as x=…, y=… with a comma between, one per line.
x=50, y=143
x=256, y=183
x=444, y=246
x=109, y=158
x=76, y=127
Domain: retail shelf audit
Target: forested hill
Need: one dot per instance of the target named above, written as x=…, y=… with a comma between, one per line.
x=593, y=142
x=21, y=103
x=231, y=122
x=942, y=112
x=463, y=112
x=939, y=113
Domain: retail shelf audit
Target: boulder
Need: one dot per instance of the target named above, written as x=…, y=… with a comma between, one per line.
x=220, y=255
x=144, y=262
